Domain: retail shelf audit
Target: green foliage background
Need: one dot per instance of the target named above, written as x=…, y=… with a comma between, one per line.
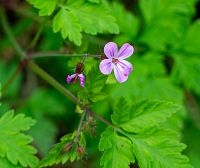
x=166, y=38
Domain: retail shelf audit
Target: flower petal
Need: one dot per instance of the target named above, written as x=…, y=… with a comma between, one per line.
x=82, y=79
x=121, y=73
x=110, y=50
x=128, y=67
x=70, y=77
x=106, y=66
x=125, y=51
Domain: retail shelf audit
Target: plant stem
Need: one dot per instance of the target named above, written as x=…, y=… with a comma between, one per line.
x=58, y=54
x=36, y=69
x=14, y=75
x=79, y=126
x=36, y=37
x=8, y=32
x=101, y=118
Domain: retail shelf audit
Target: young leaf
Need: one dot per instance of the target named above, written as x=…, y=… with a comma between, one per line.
x=142, y=115
x=14, y=144
x=117, y=150
x=93, y=86
x=64, y=151
x=66, y=22
x=45, y=7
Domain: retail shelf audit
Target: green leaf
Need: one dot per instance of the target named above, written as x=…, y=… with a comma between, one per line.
x=58, y=154
x=142, y=115
x=117, y=150
x=187, y=69
x=129, y=27
x=165, y=21
x=4, y=163
x=191, y=40
x=90, y=13
x=45, y=7
x=159, y=149
x=66, y=22
x=151, y=147
x=95, y=80
x=14, y=145
x=94, y=84
x=94, y=1
x=97, y=96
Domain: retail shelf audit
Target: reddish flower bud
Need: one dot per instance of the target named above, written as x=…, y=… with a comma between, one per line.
x=80, y=150
x=79, y=68
x=103, y=57
x=67, y=147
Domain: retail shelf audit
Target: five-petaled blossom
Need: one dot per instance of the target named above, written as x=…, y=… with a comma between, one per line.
x=115, y=60
x=78, y=74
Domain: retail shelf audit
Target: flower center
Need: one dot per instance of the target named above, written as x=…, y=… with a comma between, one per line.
x=115, y=61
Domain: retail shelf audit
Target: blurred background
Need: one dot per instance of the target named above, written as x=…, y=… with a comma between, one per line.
x=166, y=38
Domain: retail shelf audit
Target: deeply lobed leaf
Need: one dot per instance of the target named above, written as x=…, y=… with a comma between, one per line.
x=14, y=145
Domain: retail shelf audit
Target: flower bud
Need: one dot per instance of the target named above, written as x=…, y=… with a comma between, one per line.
x=79, y=68
x=67, y=147
x=80, y=150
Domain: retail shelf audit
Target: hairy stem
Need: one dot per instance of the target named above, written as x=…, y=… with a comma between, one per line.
x=8, y=32
x=80, y=126
x=35, y=55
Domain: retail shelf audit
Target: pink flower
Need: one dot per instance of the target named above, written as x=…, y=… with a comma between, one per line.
x=75, y=77
x=115, y=60
x=78, y=74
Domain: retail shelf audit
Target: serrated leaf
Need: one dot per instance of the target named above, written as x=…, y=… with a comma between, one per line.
x=97, y=97
x=191, y=40
x=4, y=163
x=128, y=28
x=142, y=115
x=66, y=22
x=45, y=7
x=45, y=117
x=94, y=84
x=165, y=21
x=89, y=13
x=159, y=149
x=117, y=150
x=57, y=154
x=187, y=69
x=95, y=80
x=14, y=145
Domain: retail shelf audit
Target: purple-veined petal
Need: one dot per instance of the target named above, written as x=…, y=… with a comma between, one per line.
x=125, y=51
x=128, y=67
x=82, y=79
x=121, y=74
x=106, y=66
x=110, y=50
x=70, y=77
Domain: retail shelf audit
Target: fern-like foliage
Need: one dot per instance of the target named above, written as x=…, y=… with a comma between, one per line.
x=141, y=137
x=74, y=17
